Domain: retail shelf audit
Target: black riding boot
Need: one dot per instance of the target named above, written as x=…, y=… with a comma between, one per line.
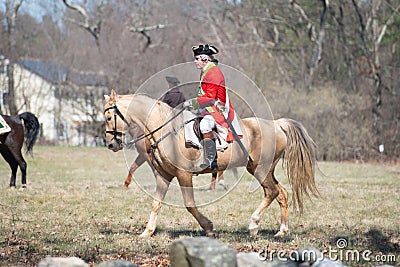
x=210, y=154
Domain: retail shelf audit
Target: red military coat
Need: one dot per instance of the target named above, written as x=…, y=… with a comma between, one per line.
x=212, y=88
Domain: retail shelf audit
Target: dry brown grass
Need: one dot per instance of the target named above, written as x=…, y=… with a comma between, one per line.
x=74, y=206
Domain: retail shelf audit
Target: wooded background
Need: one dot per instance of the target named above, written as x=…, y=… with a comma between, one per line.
x=333, y=65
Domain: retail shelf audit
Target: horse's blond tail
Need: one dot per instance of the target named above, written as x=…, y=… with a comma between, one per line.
x=299, y=161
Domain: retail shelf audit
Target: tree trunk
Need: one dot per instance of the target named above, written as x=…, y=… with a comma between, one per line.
x=11, y=15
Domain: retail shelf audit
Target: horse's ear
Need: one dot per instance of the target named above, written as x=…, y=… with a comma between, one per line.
x=113, y=96
x=106, y=98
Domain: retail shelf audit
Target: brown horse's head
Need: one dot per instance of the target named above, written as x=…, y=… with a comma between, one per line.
x=116, y=123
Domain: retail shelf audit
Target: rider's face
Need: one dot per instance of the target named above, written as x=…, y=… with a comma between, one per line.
x=200, y=62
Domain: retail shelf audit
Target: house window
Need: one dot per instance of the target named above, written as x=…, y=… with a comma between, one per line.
x=61, y=130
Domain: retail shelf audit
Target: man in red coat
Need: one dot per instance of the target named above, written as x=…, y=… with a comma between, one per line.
x=213, y=102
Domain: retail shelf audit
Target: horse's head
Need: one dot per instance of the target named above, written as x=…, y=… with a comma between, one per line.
x=116, y=124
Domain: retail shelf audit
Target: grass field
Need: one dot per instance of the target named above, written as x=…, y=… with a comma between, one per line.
x=74, y=206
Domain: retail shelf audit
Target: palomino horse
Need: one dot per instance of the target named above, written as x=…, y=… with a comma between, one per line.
x=11, y=142
x=266, y=141
x=142, y=147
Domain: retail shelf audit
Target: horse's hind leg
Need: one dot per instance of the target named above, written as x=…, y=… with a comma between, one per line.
x=23, y=167
x=271, y=191
x=213, y=181
x=221, y=180
x=282, y=199
x=162, y=186
x=255, y=217
x=8, y=156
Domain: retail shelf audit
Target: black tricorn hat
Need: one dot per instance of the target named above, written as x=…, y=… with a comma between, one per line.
x=205, y=50
x=172, y=80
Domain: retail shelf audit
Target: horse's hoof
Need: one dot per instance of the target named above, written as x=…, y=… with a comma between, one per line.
x=13, y=187
x=224, y=186
x=283, y=230
x=253, y=230
x=281, y=234
x=146, y=234
x=125, y=186
x=211, y=234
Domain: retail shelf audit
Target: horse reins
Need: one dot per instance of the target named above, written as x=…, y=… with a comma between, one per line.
x=156, y=130
x=116, y=133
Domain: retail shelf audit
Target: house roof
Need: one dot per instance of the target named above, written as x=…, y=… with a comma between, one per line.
x=58, y=73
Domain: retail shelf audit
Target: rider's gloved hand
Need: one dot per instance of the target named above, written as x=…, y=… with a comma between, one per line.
x=188, y=104
x=191, y=104
x=220, y=106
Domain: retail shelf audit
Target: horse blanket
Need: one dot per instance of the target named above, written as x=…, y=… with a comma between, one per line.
x=4, y=128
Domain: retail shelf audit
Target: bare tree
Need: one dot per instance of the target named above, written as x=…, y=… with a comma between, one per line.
x=12, y=8
x=317, y=52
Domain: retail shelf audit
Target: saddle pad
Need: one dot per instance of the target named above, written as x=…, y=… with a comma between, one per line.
x=4, y=128
x=190, y=136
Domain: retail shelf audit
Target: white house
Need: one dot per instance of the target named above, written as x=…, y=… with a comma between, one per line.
x=68, y=103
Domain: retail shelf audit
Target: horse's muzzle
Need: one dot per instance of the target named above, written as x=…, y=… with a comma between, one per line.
x=115, y=145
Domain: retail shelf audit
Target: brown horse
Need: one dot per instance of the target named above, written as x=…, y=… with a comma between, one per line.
x=266, y=141
x=11, y=143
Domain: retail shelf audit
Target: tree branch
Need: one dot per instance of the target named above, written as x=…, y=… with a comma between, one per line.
x=388, y=23
x=310, y=27
x=92, y=28
x=144, y=30
x=316, y=58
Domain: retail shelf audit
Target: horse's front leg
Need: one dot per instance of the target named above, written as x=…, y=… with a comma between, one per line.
x=128, y=179
x=13, y=177
x=162, y=186
x=186, y=183
x=13, y=166
x=140, y=159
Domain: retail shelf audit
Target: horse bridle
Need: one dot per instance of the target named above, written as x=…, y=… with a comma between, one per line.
x=114, y=132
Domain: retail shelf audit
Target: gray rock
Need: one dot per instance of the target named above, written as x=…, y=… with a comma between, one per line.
x=117, y=263
x=328, y=263
x=201, y=252
x=280, y=263
x=309, y=254
x=251, y=259
x=62, y=262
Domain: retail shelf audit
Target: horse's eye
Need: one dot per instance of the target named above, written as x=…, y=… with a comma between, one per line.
x=109, y=119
